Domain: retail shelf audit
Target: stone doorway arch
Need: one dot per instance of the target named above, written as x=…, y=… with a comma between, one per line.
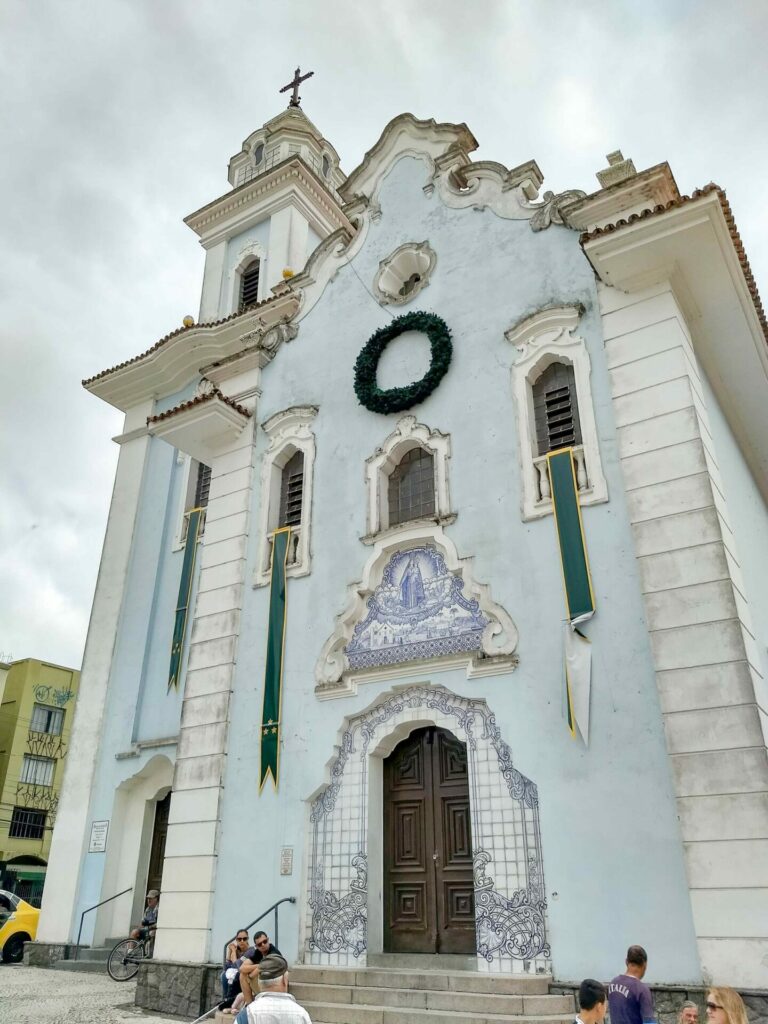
x=344, y=908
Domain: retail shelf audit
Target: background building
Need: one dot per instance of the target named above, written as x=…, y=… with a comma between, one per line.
x=431, y=798
x=36, y=712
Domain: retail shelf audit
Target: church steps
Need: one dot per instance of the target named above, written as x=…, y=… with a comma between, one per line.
x=435, y=981
x=345, y=1013
x=426, y=999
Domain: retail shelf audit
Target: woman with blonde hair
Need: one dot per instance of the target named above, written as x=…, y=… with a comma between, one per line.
x=725, y=1006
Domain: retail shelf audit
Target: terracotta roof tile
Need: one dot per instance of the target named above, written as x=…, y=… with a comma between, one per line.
x=608, y=229
x=174, y=334
x=199, y=400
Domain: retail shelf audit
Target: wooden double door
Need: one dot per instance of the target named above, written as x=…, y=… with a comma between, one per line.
x=428, y=892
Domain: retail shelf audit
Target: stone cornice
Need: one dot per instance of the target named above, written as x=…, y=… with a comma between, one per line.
x=175, y=360
x=215, y=220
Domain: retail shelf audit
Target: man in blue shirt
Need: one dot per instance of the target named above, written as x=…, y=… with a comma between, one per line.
x=629, y=1000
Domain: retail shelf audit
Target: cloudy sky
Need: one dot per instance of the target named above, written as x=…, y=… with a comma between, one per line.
x=119, y=117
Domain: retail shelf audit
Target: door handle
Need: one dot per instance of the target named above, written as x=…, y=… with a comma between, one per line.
x=434, y=855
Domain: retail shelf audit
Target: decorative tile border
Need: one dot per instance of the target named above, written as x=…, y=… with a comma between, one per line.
x=510, y=903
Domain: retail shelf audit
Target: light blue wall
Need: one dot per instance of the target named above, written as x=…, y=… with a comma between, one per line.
x=612, y=848
x=139, y=706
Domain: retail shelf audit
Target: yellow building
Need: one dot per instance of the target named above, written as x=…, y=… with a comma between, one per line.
x=36, y=712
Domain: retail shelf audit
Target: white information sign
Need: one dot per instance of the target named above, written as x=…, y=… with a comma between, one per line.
x=98, y=842
x=286, y=860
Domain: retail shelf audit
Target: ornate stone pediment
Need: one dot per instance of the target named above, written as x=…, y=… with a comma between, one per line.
x=417, y=601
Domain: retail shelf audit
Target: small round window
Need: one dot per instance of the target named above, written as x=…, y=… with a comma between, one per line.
x=258, y=153
x=326, y=166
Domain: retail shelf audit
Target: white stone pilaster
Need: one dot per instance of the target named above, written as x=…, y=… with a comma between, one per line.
x=698, y=616
x=70, y=836
x=192, y=844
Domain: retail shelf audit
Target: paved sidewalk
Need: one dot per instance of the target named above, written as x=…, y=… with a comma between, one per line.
x=33, y=995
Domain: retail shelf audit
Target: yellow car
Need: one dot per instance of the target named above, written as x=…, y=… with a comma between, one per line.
x=18, y=924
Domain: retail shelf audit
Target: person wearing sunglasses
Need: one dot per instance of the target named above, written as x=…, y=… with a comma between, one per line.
x=725, y=1006
x=250, y=967
x=236, y=950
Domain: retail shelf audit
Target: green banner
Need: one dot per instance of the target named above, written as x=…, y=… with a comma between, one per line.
x=185, y=590
x=273, y=677
x=570, y=534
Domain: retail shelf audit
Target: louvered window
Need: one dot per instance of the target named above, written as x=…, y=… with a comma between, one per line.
x=412, y=487
x=292, y=491
x=555, y=409
x=202, y=486
x=249, y=285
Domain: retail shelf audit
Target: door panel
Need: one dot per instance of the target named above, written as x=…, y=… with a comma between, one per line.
x=428, y=892
x=157, y=852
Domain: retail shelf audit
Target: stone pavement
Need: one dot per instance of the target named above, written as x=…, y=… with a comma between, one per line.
x=33, y=995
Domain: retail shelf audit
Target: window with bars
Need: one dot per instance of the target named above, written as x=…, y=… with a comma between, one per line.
x=412, y=487
x=249, y=285
x=26, y=824
x=45, y=719
x=555, y=409
x=37, y=771
x=292, y=490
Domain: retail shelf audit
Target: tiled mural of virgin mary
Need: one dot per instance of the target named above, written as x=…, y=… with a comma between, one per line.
x=419, y=610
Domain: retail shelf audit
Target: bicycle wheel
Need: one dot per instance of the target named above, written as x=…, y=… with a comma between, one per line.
x=123, y=962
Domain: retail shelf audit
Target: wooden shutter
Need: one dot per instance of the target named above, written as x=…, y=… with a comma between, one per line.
x=555, y=409
x=292, y=491
x=249, y=285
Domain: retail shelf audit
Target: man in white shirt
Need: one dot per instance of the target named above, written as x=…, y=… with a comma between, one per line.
x=273, y=1004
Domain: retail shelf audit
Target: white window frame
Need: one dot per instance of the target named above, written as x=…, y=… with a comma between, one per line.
x=37, y=771
x=186, y=498
x=288, y=431
x=249, y=252
x=542, y=339
x=379, y=467
x=54, y=714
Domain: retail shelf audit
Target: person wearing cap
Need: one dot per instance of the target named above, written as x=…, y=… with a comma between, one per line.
x=274, y=1004
x=149, y=922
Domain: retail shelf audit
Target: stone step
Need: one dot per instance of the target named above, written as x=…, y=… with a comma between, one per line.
x=345, y=1013
x=433, y=981
x=423, y=961
x=425, y=999
x=88, y=966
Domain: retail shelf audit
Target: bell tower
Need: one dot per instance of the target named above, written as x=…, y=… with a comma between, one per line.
x=284, y=201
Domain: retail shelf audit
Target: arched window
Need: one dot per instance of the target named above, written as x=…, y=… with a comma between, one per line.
x=249, y=285
x=292, y=490
x=412, y=487
x=555, y=409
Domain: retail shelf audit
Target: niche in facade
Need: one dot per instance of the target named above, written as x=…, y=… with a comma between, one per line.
x=404, y=273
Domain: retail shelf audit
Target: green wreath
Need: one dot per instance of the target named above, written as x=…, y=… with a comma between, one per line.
x=368, y=391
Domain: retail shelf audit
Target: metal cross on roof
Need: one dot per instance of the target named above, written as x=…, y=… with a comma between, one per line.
x=298, y=78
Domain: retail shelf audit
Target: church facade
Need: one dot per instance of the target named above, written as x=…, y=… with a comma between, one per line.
x=433, y=593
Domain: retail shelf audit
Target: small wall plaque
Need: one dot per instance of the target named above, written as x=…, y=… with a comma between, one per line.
x=286, y=860
x=98, y=843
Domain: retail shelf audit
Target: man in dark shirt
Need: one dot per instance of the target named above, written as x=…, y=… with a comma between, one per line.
x=629, y=1000
x=250, y=967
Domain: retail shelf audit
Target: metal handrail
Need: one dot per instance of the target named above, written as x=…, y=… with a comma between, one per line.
x=95, y=907
x=247, y=928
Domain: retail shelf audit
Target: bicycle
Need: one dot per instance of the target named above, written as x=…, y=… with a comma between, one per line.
x=123, y=961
